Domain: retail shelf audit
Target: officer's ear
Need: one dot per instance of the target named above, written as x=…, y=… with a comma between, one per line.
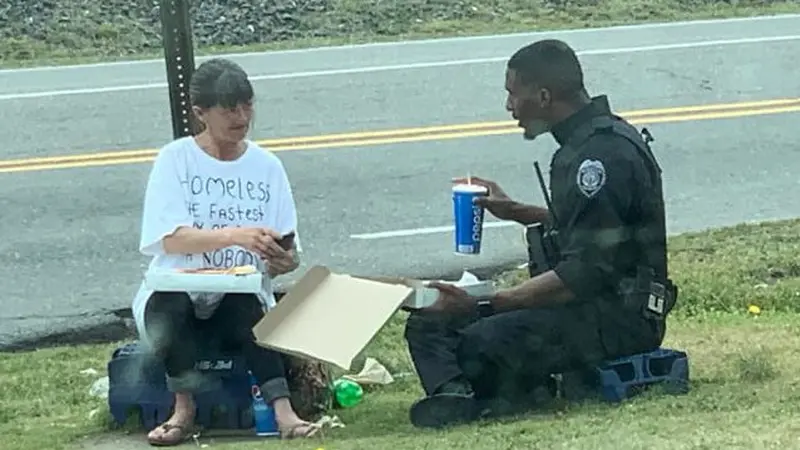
x=544, y=97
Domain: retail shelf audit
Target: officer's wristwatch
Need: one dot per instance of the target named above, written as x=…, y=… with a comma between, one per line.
x=485, y=306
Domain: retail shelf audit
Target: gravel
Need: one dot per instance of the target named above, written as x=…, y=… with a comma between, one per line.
x=63, y=29
x=30, y=29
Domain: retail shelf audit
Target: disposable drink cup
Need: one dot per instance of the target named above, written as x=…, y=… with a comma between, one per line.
x=468, y=218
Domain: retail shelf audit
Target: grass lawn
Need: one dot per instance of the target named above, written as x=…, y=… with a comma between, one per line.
x=744, y=370
x=744, y=366
x=89, y=37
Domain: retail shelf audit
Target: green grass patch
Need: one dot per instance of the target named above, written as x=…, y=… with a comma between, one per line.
x=744, y=370
x=727, y=270
x=77, y=31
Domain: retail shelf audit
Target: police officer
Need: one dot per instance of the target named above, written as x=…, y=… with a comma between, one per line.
x=605, y=292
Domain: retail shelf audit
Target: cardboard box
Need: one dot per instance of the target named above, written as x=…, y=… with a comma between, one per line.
x=424, y=296
x=468, y=282
x=332, y=317
x=167, y=280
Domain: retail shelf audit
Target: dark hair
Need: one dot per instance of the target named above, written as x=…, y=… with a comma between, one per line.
x=550, y=64
x=219, y=82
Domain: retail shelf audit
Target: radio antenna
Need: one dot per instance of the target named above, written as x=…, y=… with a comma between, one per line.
x=544, y=191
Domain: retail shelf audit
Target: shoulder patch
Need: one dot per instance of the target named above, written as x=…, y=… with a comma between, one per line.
x=591, y=177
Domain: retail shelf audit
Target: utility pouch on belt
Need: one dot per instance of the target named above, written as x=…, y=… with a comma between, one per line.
x=542, y=249
x=643, y=293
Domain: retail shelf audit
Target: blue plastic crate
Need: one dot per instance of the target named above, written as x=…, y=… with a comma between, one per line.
x=625, y=377
x=137, y=381
x=129, y=365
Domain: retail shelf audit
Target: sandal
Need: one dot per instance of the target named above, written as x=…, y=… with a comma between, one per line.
x=292, y=431
x=165, y=441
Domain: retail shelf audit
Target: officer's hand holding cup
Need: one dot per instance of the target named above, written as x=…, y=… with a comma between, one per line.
x=497, y=202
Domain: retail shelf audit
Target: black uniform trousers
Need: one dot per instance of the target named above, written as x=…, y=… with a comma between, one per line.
x=508, y=355
x=178, y=338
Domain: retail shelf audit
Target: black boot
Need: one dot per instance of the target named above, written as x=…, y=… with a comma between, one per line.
x=452, y=404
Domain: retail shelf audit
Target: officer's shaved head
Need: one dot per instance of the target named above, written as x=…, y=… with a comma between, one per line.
x=544, y=81
x=549, y=64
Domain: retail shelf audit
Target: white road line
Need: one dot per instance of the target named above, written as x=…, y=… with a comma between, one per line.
x=465, y=39
x=410, y=66
x=422, y=231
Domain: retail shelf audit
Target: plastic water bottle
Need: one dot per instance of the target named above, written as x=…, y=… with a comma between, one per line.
x=263, y=414
x=347, y=393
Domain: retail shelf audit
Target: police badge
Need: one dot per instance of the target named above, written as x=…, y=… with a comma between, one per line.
x=591, y=177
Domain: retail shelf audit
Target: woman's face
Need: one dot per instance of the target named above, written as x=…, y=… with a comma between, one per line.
x=227, y=124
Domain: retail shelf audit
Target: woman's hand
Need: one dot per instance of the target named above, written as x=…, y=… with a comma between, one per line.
x=261, y=241
x=283, y=263
x=265, y=242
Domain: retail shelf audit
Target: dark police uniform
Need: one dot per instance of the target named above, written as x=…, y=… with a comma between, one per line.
x=608, y=210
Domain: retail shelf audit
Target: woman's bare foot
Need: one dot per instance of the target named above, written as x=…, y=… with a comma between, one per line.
x=290, y=425
x=177, y=428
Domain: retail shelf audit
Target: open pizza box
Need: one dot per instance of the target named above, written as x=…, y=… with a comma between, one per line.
x=331, y=317
x=240, y=279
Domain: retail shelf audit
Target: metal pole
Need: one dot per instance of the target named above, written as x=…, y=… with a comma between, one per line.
x=179, y=57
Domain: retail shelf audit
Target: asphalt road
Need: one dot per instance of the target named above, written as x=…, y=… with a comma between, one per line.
x=70, y=235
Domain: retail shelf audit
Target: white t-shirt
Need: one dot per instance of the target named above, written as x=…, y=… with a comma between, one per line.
x=188, y=187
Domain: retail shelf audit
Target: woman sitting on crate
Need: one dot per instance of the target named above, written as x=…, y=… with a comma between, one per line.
x=217, y=200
